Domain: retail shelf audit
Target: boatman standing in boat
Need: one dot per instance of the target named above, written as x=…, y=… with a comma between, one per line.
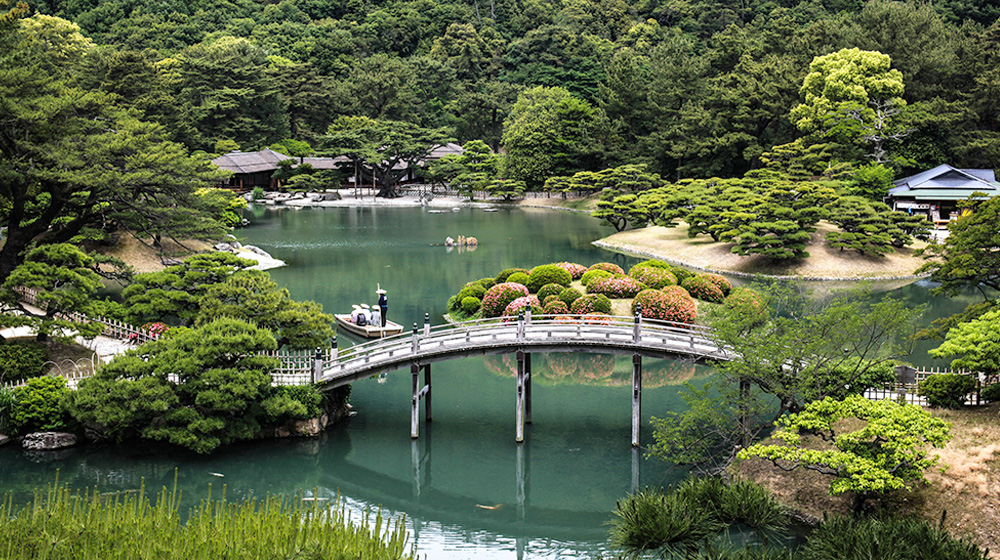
x=383, y=302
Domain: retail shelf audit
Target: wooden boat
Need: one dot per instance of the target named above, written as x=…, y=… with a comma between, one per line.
x=367, y=331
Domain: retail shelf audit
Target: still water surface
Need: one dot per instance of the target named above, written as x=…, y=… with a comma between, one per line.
x=465, y=487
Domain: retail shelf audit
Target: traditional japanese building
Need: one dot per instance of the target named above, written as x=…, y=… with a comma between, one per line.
x=936, y=192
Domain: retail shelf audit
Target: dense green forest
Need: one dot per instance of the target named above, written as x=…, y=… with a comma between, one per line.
x=691, y=88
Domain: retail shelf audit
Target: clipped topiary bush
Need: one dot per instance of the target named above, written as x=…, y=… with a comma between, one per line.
x=556, y=307
x=617, y=286
x=521, y=305
x=607, y=267
x=681, y=273
x=654, y=277
x=591, y=303
x=672, y=306
x=499, y=297
x=575, y=270
x=471, y=289
x=39, y=406
x=748, y=303
x=550, y=299
x=677, y=291
x=486, y=283
x=505, y=274
x=569, y=295
x=946, y=390
x=549, y=290
x=655, y=264
x=519, y=278
x=471, y=304
x=21, y=360
x=720, y=281
x=591, y=275
x=547, y=274
x=702, y=288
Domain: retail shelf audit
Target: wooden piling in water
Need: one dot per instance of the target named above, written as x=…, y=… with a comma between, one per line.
x=636, y=397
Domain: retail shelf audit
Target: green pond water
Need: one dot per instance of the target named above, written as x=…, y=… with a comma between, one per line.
x=465, y=487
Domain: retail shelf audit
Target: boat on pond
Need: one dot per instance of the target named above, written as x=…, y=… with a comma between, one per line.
x=367, y=331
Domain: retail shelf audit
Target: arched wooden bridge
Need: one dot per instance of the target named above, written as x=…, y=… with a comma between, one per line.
x=549, y=333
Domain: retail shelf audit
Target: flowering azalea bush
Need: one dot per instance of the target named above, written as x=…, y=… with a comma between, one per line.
x=549, y=290
x=703, y=288
x=547, y=274
x=569, y=295
x=592, y=275
x=550, y=299
x=749, y=303
x=676, y=290
x=575, y=270
x=155, y=329
x=662, y=306
x=499, y=297
x=617, y=286
x=591, y=303
x=652, y=276
x=521, y=305
x=720, y=281
x=607, y=267
x=556, y=307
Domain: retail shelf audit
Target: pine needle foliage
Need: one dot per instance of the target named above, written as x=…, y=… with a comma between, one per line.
x=62, y=524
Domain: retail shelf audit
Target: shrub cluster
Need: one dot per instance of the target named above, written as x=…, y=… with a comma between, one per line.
x=39, y=406
x=471, y=304
x=569, y=295
x=497, y=298
x=549, y=290
x=946, y=390
x=505, y=274
x=607, y=267
x=519, y=278
x=703, y=288
x=720, y=282
x=591, y=303
x=521, y=305
x=676, y=291
x=654, y=263
x=681, y=273
x=666, y=306
x=654, y=277
x=991, y=393
x=592, y=275
x=547, y=274
x=556, y=307
x=748, y=303
x=472, y=289
x=22, y=360
x=575, y=270
x=617, y=286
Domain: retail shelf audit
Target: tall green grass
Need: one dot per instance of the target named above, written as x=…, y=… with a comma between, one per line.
x=62, y=524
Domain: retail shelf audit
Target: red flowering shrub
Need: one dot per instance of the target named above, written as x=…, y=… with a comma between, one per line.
x=749, y=303
x=654, y=277
x=656, y=304
x=155, y=329
x=676, y=291
x=550, y=299
x=505, y=274
x=521, y=305
x=556, y=307
x=719, y=280
x=569, y=295
x=617, y=286
x=591, y=303
x=575, y=270
x=499, y=297
x=549, y=290
x=703, y=288
x=592, y=275
x=607, y=267
x=547, y=274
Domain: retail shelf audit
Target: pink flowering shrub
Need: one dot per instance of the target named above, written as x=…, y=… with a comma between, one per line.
x=521, y=305
x=607, y=267
x=663, y=306
x=748, y=303
x=617, y=286
x=591, y=303
x=575, y=270
x=549, y=290
x=556, y=307
x=155, y=329
x=550, y=299
x=497, y=298
x=720, y=281
x=676, y=290
x=654, y=277
x=703, y=288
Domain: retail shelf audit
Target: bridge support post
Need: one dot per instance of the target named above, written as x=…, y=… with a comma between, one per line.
x=333, y=349
x=521, y=474
x=636, y=458
x=636, y=397
x=317, y=369
x=427, y=324
x=428, y=416
x=527, y=387
x=519, y=405
x=415, y=412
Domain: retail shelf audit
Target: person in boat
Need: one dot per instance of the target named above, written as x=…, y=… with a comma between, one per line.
x=364, y=317
x=355, y=311
x=376, y=315
x=383, y=304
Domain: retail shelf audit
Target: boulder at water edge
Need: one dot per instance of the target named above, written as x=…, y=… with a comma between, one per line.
x=48, y=440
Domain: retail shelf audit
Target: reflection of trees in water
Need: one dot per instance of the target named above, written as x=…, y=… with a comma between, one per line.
x=593, y=369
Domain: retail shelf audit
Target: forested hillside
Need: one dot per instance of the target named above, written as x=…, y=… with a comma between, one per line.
x=692, y=88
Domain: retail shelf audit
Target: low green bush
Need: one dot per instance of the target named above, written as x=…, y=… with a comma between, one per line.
x=547, y=274
x=990, y=393
x=569, y=295
x=7, y=405
x=39, y=406
x=471, y=290
x=20, y=360
x=505, y=274
x=591, y=303
x=257, y=193
x=607, y=267
x=592, y=275
x=681, y=273
x=486, y=283
x=518, y=278
x=471, y=304
x=549, y=290
x=946, y=390
x=720, y=281
x=652, y=276
x=654, y=263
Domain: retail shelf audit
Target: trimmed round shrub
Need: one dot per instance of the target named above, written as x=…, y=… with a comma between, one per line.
x=22, y=360
x=590, y=275
x=681, y=273
x=617, y=287
x=748, y=303
x=946, y=390
x=678, y=291
x=569, y=295
x=499, y=297
x=549, y=290
x=720, y=281
x=655, y=264
x=519, y=278
x=486, y=283
x=547, y=274
x=607, y=267
x=703, y=288
x=39, y=406
x=550, y=299
x=591, y=303
x=652, y=276
x=575, y=270
x=505, y=274
x=557, y=307
x=471, y=304
x=662, y=306
x=471, y=289
x=522, y=304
